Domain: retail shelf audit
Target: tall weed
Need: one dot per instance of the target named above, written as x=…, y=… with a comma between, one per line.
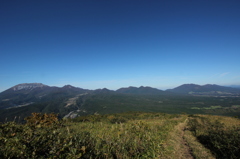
x=222, y=140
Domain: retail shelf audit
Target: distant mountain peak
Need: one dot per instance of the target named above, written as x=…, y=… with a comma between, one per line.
x=189, y=85
x=28, y=86
x=103, y=90
x=139, y=90
x=68, y=86
x=207, y=89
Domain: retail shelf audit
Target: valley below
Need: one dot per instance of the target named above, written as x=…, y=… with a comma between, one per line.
x=70, y=102
x=38, y=121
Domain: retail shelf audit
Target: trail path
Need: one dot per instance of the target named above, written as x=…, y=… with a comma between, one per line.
x=187, y=153
x=182, y=149
x=185, y=145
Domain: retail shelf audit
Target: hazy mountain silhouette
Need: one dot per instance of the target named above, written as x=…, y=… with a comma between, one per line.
x=207, y=89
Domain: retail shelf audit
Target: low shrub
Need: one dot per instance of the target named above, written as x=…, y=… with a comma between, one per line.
x=41, y=137
x=118, y=120
x=221, y=140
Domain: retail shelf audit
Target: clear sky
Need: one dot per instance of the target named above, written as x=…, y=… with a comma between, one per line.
x=119, y=43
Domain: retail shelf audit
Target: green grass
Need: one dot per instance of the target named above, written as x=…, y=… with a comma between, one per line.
x=140, y=135
x=211, y=107
x=219, y=134
x=124, y=136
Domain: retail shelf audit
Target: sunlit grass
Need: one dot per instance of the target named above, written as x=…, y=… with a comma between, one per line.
x=133, y=139
x=123, y=136
x=220, y=134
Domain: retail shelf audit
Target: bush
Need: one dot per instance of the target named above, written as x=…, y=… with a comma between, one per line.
x=117, y=120
x=222, y=141
x=41, y=137
x=42, y=120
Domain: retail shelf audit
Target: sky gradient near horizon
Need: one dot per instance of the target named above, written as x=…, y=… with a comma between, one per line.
x=95, y=44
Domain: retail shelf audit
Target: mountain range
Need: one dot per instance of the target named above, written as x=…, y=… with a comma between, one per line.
x=70, y=101
x=208, y=89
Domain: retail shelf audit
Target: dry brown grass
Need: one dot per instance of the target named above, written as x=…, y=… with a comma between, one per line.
x=220, y=134
x=180, y=148
x=227, y=121
x=197, y=149
x=185, y=146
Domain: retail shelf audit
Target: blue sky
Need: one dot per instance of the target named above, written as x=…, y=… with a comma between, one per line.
x=113, y=44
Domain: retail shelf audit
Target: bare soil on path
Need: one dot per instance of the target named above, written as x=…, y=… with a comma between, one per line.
x=181, y=147
x=185, y=145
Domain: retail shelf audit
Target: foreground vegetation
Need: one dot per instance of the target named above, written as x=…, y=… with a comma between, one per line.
x=126, y=135
x=219, y=134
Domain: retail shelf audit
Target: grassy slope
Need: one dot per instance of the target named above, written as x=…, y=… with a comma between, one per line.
x=146, y=136
x=126, y=135
x=219, y=134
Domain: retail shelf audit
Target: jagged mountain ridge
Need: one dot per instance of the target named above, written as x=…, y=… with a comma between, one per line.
x=29, y=93
x=39, y=90
x=28, y=86
x=140, y=90
x=73, y=101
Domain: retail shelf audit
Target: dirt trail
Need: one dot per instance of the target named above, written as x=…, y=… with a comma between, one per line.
x=186, y=150
x=179, y=144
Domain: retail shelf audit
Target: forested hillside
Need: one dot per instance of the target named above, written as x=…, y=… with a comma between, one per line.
x=69, y=102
